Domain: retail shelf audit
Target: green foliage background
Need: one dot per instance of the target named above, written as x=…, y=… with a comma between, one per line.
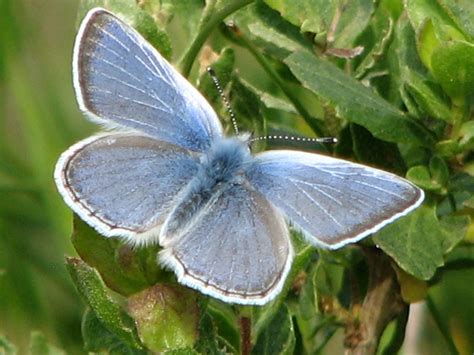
x=404, y=104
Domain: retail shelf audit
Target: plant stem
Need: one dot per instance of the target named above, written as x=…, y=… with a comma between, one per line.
x=443, y=328
x=205, y=28
x=397, y=339
x=245, y=337
x=381, y=305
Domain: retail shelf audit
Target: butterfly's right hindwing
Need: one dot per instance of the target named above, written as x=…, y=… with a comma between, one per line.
x=122, y=81
x=238, y=249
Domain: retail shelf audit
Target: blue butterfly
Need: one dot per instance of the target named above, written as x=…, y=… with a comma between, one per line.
x=167, y=174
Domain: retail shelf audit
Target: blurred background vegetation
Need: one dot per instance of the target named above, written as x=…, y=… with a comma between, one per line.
x=39, y=119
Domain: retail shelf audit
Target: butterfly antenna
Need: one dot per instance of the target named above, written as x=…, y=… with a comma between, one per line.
x=214, y=78
x=326, y=140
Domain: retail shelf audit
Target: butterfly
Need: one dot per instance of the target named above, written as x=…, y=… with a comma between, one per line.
x=166, y=174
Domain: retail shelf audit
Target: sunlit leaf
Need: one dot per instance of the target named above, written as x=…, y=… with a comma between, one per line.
x=453, y=64
x=462, y=13
x=343, y=20
x=420, y=95
x=124, y=269
x=110, y=314
x=418, y=241
x=166, y=317
x=97, y=338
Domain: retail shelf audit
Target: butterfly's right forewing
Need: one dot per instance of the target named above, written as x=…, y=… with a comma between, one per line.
x=123, y=184
x=121, y=80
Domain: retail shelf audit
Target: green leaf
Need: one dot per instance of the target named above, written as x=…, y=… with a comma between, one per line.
x=97, y=338
x=279, y=335
x=466, y=132
x=186, y=12
x=461, y=190
x=378, y=35
x=274, y=102
x=462, y=182
x=122, y=7
x=328, y=278
x=166, y=317
x=223, y=67
x=110, y=314
x=428, y=99
x=432, y=178
x=210, y=341
x=412, y=242
x=267, y=30
x=247, y=106
x=225, y=322
x=6, y=347
x=421, y=176
x=427, y=42
x=439, y=170
x=420, y=95
x=453, y=230
x=421, y=11
x=415, y=242
x=462, y=13
x=344, y=20
x=355, y=102
x=307, y=303
x=39, y=345
x=448, y=148
x=469, y=202
x=124, y=269
x=452, y=65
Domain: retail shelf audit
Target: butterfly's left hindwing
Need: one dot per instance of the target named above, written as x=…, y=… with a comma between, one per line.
x=333, y=202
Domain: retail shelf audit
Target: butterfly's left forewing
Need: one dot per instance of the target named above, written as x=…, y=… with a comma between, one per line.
x=333, y=202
